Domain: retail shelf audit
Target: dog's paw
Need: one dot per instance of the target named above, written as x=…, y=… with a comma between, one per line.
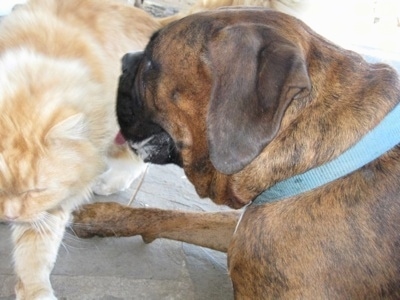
x=98, y=219
x=119, y=176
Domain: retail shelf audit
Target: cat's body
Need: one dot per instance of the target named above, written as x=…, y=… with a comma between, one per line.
x=59, y=68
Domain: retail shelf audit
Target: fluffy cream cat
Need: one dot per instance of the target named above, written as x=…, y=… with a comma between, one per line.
x=59, y=68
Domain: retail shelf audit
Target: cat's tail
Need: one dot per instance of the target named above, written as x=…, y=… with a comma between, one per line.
x=199, y=6
x=287, y=6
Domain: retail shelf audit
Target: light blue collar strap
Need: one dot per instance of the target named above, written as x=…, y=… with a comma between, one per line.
x=379, y=140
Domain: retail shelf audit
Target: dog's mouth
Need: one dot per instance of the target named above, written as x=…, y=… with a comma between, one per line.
x=157, y=149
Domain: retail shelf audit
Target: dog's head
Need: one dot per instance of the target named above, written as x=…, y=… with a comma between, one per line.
x=209, y=93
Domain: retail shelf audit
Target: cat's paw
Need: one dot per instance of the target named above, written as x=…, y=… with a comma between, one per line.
x=119, y=176
x=42, y=297
x=34, y=293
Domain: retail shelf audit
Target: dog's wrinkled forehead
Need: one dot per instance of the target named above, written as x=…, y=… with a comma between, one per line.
x=178, y=37
x=197, y=29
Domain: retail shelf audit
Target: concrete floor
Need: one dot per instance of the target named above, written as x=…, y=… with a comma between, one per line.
x=126, y=268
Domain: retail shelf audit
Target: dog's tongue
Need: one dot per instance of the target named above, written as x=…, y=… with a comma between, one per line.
x=119, y=139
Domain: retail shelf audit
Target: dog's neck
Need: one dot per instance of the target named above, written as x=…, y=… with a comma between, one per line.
x=375, y=143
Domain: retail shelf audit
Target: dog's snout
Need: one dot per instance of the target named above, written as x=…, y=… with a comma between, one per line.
x=130, y=60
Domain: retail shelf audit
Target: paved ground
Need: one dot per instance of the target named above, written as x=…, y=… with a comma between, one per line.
x=126, y=268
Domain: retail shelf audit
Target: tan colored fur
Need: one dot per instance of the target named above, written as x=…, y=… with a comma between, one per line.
x=292, y=7
x=59, y=68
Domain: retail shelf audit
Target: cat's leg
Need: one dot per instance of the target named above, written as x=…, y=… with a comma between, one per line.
x=36, y=247
x=123, y=167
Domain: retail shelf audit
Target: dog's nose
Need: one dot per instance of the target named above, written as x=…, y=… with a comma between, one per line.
x=131, y=59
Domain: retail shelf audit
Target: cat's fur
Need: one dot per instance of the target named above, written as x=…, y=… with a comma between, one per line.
x=292, y=7
x=59, y=68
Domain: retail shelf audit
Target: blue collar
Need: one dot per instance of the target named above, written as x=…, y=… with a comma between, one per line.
x=379, y=140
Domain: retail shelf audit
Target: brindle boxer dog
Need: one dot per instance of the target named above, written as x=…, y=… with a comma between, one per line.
x=246, y=99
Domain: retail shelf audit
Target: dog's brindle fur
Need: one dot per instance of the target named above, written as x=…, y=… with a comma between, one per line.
x=249, y=97
x=211, y=230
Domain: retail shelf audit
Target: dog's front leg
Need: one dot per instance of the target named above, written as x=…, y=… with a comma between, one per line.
x=36, y=247
x=212, y=230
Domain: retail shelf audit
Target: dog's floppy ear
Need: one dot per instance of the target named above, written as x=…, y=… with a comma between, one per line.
x=256, y=73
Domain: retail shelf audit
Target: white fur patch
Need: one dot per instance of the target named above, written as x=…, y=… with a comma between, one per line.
x=119, y=176
x=6, y=6
x=142, y=149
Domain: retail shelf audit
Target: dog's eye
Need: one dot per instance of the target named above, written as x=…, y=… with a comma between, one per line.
x=151, y=71
x=149, y=65
x=175, y=96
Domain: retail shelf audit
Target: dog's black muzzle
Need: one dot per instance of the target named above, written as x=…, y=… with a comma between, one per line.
x=151, y=142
